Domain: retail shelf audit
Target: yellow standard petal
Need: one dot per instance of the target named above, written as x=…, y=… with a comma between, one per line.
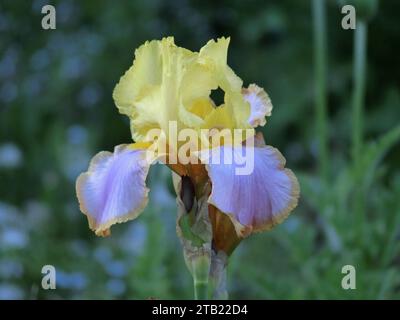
x=214, y=55
x=149, y=92
x=168, y=83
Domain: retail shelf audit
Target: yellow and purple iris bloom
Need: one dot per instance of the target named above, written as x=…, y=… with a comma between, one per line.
x=167, y=83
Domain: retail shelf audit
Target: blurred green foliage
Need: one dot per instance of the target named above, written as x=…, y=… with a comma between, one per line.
x=56, y=112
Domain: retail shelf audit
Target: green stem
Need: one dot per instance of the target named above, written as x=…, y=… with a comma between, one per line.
x=219, y=263
x=200, y=273
x=201, y=290
x=360, y=48
x=320, y=49
x=359, y=74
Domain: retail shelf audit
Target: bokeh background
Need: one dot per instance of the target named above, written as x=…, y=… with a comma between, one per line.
x=56, y=112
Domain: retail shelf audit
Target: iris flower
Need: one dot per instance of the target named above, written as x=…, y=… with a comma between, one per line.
x=165, y=84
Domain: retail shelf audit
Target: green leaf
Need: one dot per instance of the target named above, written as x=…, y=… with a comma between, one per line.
x=373, y=153
x=363, y=173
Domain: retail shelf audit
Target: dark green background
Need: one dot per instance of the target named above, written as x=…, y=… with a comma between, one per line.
x=56, y=112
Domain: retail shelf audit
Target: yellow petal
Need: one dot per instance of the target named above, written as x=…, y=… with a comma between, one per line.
x=196, y=88
x=142, y=76
x=168, y=83
x=220, y=118
x=149, y=93
x=214, y=54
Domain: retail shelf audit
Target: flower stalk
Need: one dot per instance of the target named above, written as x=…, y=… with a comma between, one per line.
x=194, y=230
x=200, y=272
x=359, y=75
x=219, y=264
x=320, y=49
